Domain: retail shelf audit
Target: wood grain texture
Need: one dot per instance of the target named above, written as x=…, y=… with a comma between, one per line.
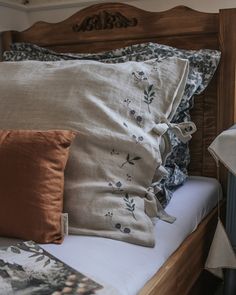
x=174, y=22
x=227, y=83
x=181, y=270
x=7, y=39
x=204, y=115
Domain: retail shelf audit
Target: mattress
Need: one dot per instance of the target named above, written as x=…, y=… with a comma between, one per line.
x=124, y=268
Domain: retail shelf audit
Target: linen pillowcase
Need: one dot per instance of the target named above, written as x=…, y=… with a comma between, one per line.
x=32, y=183
x=202, y=66
x=120, y=120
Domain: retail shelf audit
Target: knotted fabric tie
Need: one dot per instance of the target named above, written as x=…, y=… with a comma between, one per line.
x=182, y=130
x=158, y=211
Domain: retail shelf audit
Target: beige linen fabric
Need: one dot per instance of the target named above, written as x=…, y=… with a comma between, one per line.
x=117, y=110
x=221, y=254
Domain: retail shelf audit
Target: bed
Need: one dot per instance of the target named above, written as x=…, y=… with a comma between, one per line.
x=134, y=265
x=108, y=26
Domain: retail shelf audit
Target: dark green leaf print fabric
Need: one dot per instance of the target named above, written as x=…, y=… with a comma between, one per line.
x=202, y=66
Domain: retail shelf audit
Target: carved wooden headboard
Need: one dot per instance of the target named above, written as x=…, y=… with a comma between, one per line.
x=112, y=25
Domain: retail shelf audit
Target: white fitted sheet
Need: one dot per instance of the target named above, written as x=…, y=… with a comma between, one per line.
x=127, y=267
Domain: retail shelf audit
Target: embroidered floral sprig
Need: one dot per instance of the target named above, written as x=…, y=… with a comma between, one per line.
x=117, y=187
x=109, y=214
x=130, y=160
x=134, y=114
x=139, y=76
x=114, y=152
x=137, y=139
x=128, y=177
x=124, y=230
x=127, y=102
x=149, y=94
x=118, y=226
x=136, y=117
x=130, y=205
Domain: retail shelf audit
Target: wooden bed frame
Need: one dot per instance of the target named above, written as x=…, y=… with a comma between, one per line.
x=113, y=25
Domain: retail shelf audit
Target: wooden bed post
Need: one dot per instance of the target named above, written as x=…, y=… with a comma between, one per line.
x=6, y=40
x=227, y=84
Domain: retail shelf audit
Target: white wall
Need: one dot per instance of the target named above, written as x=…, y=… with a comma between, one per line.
x=55, y=15
x=13, y=19
x=201, y=5
x=15, y=16
x=52, y=15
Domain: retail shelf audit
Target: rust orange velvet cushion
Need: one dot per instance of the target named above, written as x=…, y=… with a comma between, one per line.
x=32, y=167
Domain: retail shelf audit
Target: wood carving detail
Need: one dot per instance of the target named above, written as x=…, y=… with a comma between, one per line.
x=105, y=21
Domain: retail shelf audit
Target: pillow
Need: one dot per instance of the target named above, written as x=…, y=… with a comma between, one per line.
x=202, y=66
x=120, y=120
x=32, y=182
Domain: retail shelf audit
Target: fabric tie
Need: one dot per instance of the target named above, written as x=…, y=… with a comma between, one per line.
x=182, y=130
x=221, y=254
x=159, y=212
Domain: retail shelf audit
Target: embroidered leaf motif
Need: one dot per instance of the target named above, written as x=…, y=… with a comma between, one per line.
x=136, y=158
x=149, y=94
x=130, y=160
x=130, y=205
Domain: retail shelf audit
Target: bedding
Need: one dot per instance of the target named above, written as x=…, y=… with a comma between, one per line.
x=212, y=113
x=126, y=267
x=202, y=66
x=32, y=183
x=111, y=165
